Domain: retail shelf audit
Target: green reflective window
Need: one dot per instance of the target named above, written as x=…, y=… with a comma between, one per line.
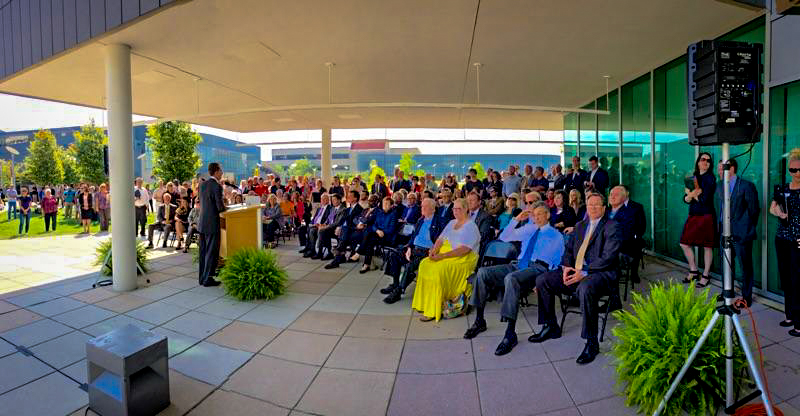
x=608, y=137
x=636, y=143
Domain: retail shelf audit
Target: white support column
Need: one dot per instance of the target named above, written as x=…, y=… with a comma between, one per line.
x=119, y=106
x=325, y=157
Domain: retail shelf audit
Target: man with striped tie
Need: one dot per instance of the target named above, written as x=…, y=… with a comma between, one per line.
x=588, y=268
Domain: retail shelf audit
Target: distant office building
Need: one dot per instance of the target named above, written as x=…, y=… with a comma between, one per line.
x=237, y=161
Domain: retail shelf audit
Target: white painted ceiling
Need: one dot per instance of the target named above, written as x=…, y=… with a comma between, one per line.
x=253, y=54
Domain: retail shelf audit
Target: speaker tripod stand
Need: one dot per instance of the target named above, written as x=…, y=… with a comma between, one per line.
x=731, y=319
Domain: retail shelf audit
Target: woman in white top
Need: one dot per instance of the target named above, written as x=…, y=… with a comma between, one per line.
x=442, y=276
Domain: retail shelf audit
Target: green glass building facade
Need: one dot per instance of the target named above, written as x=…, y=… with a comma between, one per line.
x=643, y=143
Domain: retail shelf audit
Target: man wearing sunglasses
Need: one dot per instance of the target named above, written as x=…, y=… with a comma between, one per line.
x=745, y=209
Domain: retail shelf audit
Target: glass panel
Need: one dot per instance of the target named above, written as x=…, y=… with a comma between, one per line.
x=784, y=136
x=570, y=137
x=588, y=135
x=674, y=158
x=636, y=143
x=608, y=137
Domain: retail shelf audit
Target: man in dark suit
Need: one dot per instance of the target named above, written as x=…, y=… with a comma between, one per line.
x=208, y=224
x=480, y=217
x=444, y=213
x=412, y=212
x=588, y=267
x=401, y=183
x=559, y=180
x=329, y=231
x=379, y=188
x=597, y=177
x=630, y=216
x=165, y=220
x=321, y=217
x=745, y=209
x=578, y=176
x=426, y=231
x=345, y=229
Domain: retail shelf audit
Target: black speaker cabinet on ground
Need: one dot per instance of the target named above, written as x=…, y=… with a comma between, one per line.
x=724, y=94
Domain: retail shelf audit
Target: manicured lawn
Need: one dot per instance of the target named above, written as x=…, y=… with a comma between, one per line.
x=10, y=229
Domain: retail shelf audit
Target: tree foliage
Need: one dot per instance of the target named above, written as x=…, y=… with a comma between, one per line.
x=479, y=168
x=42, y=165
x=174, y=147
x=88, y=154
x=68, y=161
x=5, y=172
x=374, y=170
x=409, y=166
x=301, y=168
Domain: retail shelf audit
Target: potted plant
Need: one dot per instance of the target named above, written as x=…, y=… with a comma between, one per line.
x=655, y=339
x=103, y=257
x=252, y=273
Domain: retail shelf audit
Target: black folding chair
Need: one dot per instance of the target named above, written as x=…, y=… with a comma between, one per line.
x=571, y=304
x=399, y=241
x=499, y=252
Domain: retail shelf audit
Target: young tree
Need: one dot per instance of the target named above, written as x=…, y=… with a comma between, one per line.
x=5, y=172
x=174, y=147
x=301, y=168
x=481, y=172
x=71, y=173
x=43, y=166
x=374, y=170
x=88, y=154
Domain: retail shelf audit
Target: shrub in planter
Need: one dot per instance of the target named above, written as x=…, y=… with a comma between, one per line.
x=654, y=341
x=104, y=249
x=252, y=273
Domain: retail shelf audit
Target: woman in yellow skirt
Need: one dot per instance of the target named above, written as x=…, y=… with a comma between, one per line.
x=443, y=274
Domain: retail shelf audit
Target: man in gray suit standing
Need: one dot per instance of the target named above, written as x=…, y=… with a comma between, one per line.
x=744, y=220
x=208, y=224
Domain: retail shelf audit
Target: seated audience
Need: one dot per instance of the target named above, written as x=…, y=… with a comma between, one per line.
x=443, y=274
x=309, y=242
x=194, y=214
x=181, y=221
x=271, y=218
x=632, y=225
x=411, y=212
x=345, y=228
x=332, y=228
x=542, y=247
x=589, y=269
x=512, y=210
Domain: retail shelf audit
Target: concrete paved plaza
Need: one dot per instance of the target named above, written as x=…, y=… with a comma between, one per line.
x=329, y=346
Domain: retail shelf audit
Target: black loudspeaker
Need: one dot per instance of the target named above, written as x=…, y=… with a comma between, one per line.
x=105, y=160
x=724, y=93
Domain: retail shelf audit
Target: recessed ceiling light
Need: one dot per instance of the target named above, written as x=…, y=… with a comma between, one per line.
x=349, y=116
x=283, y=120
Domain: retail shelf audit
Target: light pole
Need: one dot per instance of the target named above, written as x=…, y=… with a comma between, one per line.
x=434, y=169
x=14, y=152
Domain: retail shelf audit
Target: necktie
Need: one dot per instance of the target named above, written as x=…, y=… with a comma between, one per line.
x=584, y=246
x=526, y=257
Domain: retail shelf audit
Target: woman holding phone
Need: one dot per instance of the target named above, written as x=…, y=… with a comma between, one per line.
x=786, y=206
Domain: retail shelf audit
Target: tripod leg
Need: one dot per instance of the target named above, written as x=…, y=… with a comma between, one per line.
x=753, y=367
x=688, y=363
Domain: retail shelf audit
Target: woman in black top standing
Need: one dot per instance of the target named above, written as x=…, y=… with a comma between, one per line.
x=786, y=206
x=699, y=229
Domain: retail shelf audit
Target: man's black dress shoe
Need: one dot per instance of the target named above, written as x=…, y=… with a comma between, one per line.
x=211, y=282
x=590, y=351
x=302, y=250
x=308, y=254
x=393, y=297
x=332, y=265
x=547, y=332
x=505, y=347
x=475, y=329
x=388, y=289
x=328, y=257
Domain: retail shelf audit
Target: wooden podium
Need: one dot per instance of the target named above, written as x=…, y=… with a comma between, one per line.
x=240, y=226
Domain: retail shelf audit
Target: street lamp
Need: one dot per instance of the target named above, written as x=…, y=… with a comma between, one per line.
x=434, y=169
x=14, y=152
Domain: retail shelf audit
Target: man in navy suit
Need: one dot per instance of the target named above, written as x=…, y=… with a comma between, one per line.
x=344, y=228
x=596, y=178
x=426, y=231
x=589, y=269
x=577, y=177
x=745, y=209
x=632, y=225
x=208, y=224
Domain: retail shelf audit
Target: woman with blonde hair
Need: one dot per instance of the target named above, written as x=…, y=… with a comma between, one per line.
x=271, y=219
x=786, y=206
x=512, y=210
x=577, y=205
x=442, y=276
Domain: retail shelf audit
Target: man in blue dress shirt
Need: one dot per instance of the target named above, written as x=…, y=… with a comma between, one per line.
x=541, y=251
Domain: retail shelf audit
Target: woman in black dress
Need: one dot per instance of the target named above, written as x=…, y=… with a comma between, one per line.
x=786, y=206
x=699, y=229
x=562, y=215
